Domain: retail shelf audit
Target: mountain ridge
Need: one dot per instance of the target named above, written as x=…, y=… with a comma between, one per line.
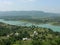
x=28, y=13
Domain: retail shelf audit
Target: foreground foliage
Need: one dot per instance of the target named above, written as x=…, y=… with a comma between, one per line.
x=13, y=35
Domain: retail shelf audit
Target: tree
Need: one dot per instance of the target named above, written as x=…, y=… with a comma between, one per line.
x=26, y=34
x=6, y=42
x=36, y=42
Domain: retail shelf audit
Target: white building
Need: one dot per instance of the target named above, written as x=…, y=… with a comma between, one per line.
x=8, y=35
x=25, y=39
x=16, y=34
x=35, y=33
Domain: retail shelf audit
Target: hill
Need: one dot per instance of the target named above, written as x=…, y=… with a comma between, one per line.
x=23, y=35
x=28, y=13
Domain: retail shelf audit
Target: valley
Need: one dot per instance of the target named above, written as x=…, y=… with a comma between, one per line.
x=29, y=28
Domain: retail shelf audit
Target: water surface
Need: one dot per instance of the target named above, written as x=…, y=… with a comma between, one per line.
x=20, y=23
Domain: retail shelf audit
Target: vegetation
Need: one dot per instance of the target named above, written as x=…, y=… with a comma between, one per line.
x=54, y=20
x=56, y=23
x=13, y=35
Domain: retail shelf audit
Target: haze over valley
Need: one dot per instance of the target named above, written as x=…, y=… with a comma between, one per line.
x=29, y=22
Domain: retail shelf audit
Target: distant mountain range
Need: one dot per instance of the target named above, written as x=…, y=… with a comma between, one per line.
x=27, y=13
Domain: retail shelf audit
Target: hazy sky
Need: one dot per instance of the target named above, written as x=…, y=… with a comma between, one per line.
x=41, y=5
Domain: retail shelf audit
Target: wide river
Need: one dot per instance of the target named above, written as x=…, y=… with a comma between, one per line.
x=20, y=23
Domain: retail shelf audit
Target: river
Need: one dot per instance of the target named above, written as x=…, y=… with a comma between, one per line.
x=20, y=23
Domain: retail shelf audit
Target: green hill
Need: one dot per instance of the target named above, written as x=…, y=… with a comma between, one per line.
x=13, y=35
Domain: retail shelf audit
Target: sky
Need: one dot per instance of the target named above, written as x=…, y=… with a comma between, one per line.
x=28, y=5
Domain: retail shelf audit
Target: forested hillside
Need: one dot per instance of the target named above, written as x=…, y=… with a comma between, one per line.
x=23, y=35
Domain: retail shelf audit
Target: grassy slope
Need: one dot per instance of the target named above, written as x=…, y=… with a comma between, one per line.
x=28, y=42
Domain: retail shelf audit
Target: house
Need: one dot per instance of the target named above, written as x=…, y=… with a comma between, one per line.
x=16, y=34
x=35, y=33
x=25, y=39
x=8, y=35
